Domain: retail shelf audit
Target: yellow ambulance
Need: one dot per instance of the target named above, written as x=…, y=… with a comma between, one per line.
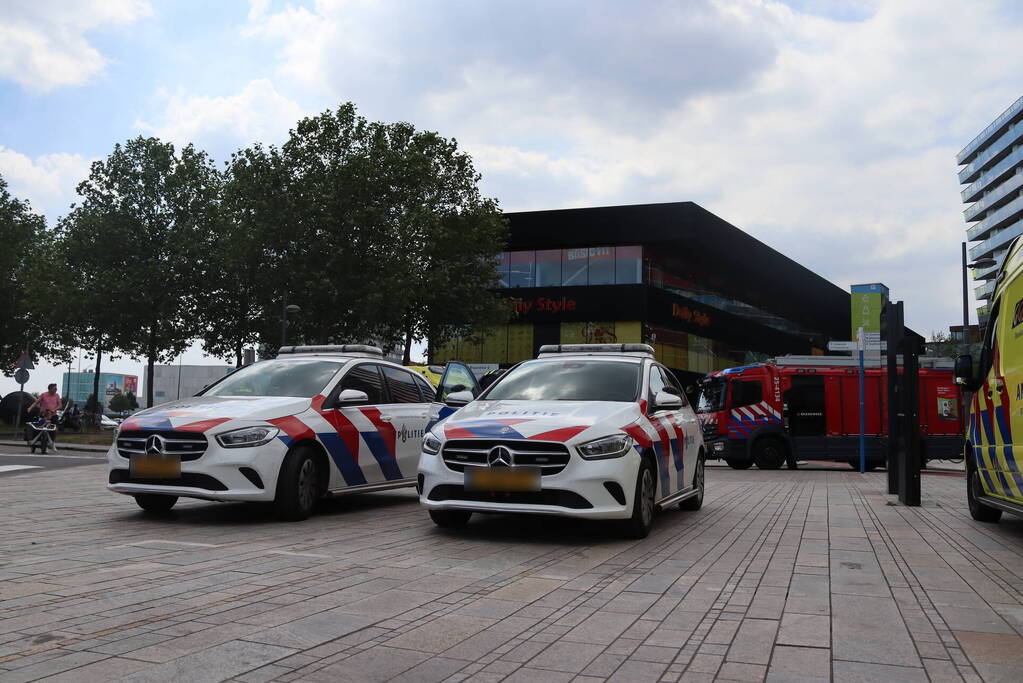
x=995, y=383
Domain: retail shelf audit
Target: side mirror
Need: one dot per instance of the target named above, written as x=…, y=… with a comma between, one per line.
x=351, y=397
x=436, y=369
x=666, y=401
x=964, y=371
x=457, y=399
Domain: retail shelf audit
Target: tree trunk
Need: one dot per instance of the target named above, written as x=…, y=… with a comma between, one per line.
x=95, y=378
x=237, y=356
x=406, y=358
x=150, y=362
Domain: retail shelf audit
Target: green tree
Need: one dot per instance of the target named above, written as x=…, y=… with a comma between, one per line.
x=133, y=403
x=119, y=403
x=156, y=208
x=449, y=237
x=22, y=234
x=250, y=258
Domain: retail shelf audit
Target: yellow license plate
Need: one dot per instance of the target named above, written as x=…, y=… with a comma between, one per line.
x=502, y=478
x=156, y=466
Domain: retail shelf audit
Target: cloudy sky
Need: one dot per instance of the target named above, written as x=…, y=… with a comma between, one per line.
x=826, y=128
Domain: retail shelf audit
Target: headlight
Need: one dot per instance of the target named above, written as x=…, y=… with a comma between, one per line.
x=431, y=444
x=614, y=446
x=248, y=436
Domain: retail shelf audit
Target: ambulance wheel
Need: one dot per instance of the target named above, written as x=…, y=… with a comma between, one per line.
x=739, y=464
x=695, y=502
x=152, y=502
x=642, y=520
x=298, y=486
x=450, y=519
x=979, y=511
x=769, y=453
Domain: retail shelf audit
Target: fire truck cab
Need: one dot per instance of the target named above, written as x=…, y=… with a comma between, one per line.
x=807, y=408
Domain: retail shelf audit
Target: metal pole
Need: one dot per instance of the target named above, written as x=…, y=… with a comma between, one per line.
x=966, y=304
x=863, y=448
x=179, y=380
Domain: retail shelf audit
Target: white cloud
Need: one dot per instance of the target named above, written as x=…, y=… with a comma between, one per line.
x=826, y=129
x=43, y=43
x=48, y=182
x=258, y=112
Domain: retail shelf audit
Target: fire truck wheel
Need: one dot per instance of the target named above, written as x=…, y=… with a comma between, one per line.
x=739, y=464
x=979, y=511
x=768, y=453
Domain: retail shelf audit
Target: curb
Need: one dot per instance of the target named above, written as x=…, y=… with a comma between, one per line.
x=83, y=447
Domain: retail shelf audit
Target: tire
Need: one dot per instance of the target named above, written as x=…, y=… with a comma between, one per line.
x=769, y=453
x=450, y=519
x=739, y=464
x=155, y=503
x=696, y=502
x=979, y=511
x=638, y=526
x=298, y=486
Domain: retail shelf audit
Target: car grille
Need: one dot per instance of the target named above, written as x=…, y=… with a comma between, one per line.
x=188, y=479
x=551, y=458
x=565, y=499
x=189, y=445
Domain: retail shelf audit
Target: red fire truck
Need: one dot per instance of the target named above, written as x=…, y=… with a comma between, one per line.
x=807, y=407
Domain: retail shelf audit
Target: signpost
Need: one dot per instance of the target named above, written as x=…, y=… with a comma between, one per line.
x=864, y=341
x=21, y=376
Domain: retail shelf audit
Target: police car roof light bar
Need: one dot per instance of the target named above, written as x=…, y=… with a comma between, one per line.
x=360, y=350
x=632, y=349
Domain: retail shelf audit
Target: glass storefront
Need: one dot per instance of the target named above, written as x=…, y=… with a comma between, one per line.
x=582, y=266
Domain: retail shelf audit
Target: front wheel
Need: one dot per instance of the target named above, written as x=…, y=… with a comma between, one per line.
x=298, y=486
x=695, y=502
x=152, y=502
x=769, y=453
x=642, y=520
x=450, y=519
x=979, y=511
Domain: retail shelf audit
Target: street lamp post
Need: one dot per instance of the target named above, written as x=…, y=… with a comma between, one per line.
x=986, y=262
x=286, y=309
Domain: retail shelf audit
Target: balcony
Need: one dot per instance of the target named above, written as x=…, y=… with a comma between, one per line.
x=997, y=219
x=989, y=177
x=976, y=210
x=985, y=290
x=1000, y=240
x=964, y=156
x=1005, y=141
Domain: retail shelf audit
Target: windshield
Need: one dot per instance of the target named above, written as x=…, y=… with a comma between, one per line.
x=712, y=395
x=302, y=378
x=569, y=380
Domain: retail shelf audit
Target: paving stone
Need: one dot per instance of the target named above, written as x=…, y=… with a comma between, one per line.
x=217, y=663
x=806, y=630
x=802, y=664
x=863, y=672
x=565, y=656
x=733, y=671
x=753, y=642
x=375, y=664
x=441, y=634
x=870, y=629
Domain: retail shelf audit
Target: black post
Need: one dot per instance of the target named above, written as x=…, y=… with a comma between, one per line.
x=893, y=328
x=909, y=468
x=966, y=304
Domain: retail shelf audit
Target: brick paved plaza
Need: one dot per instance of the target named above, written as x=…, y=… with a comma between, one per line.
x=787, y=576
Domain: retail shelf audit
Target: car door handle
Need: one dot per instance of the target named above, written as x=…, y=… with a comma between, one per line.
x=386, y=418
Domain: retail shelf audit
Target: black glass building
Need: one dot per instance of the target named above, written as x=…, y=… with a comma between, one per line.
x=705, y=294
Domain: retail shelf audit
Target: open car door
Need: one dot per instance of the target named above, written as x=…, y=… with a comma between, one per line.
x=457, y=377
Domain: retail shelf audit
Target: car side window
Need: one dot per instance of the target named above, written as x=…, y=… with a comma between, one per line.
x=401, y=385
x=990, y=340
x=746, y=394
x=657, y=384
x=365, y=377
x=428, y=391
x=670, y=381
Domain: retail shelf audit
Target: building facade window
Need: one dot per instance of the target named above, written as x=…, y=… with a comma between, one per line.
x=548, y=268
x=571, y=267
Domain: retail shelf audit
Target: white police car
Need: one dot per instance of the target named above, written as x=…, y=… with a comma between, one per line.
x=316, y=419
x=585, y=430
